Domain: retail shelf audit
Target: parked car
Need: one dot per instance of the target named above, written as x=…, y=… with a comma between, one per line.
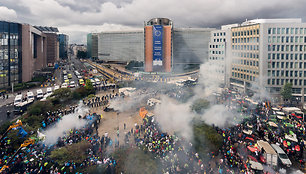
x=72, y=84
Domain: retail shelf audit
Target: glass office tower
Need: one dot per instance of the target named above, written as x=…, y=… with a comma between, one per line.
x=10, y=53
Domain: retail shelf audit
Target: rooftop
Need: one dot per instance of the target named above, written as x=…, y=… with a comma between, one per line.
x=272, y=21
x=47, y=29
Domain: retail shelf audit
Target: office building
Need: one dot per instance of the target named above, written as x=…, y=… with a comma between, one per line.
x=158, y=45
x=10, y=53
x=63, y=46
x=52, y=49
x=218, y=60
x=52, y=44
x=178, y=46
x=77, y=47
x=121, y=46
x=216, y=54
x=269, y=53
x=190, y=45
x=34, y=51
x=92, y=45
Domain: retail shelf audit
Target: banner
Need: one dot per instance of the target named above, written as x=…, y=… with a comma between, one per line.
x=157, y=45
x=22, y=132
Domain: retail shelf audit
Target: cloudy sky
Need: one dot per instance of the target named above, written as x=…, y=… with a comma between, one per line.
x=78, y=17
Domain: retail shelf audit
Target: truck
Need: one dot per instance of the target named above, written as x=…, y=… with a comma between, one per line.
x=269, y=153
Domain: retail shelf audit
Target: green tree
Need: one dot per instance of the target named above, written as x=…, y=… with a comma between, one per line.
x=89, y=87
x=286, y=92
x=40, y=107
x=75, y=152
x=61, y=95
x=206, y=138
x=129, y=158
x=200, y=105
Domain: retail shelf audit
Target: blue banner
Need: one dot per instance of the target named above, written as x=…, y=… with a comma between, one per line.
x=22, y=132
x=157, y=45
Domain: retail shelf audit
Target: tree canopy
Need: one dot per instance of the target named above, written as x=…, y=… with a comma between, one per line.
x=287, y=91
x=200, y=105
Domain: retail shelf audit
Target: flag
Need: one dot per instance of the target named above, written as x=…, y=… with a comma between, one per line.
x=22, y=132
x=101, y=116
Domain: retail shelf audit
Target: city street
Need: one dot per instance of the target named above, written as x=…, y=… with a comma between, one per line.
x=7, y=104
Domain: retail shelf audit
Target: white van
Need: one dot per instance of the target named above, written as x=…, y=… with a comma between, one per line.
x=18, y=100
x=40, y=94
x=282, y=156
x=97, y=81
x=30, y=96
x=49, y=90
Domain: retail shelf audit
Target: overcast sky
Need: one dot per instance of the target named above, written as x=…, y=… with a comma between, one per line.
x=79, y=17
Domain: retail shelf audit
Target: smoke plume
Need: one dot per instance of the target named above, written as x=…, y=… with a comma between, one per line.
x=174, y=117
x=67, y=122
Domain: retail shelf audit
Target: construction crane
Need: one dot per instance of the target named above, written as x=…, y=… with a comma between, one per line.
x=24, y=144
x=14, y=125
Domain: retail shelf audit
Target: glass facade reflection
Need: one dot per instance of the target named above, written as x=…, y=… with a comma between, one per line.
x=63, y=46
x=10, y=53
x=121, y=46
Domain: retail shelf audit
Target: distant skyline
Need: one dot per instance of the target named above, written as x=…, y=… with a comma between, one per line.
x=79, y=17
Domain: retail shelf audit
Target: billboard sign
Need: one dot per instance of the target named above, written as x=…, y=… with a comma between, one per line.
x=157, y=45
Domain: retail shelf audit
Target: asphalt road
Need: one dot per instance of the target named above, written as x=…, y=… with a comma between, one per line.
x=7, y=104
x=3, y=114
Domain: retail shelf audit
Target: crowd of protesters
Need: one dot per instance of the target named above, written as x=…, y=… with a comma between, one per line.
x=178, y=156
x=35, y=158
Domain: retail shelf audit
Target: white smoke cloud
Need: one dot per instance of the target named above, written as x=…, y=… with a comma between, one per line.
x=67, y=122
x=209, y=80
x=178, y=117
x=174, y=117
x=218, y=115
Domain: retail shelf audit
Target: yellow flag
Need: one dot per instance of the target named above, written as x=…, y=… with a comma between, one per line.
x=101, y=116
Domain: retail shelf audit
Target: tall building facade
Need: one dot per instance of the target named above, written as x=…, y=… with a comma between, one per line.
x=34, y=51
x=217, y=54
x=92, y=45
x=169, y=51
x=10, y=53
x=52, y=49
x=158, y=45
x=190, y=45
x=52, y=43
x=121, y=45
x=270, y=53
x=63, y=45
